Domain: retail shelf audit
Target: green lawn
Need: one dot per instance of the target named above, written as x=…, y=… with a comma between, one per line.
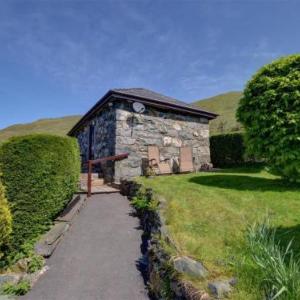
x=207, y=214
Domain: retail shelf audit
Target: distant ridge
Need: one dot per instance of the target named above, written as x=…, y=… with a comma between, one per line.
x=225, y=105
x=59, y=126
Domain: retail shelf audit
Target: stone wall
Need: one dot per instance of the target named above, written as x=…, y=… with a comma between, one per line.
x=164, y=268
x=104, y=139
x=160, y=267
x=168, y=130
x=120, y=130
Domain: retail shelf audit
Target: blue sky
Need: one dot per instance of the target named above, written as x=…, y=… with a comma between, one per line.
x=59, y=57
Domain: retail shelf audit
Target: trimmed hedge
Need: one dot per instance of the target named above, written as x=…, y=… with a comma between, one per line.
x=227, y=150
x=5, y=219
x=41, y=173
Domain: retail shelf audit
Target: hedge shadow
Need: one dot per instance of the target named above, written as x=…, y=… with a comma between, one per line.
x=243, y=183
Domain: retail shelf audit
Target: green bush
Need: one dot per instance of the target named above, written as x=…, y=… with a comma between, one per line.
x=227, y=150
x=144, y=201
x=5, y=219
x=36, y=263
x=270, y=113
x=18, y=289
x=143, y=204
x=40, y=173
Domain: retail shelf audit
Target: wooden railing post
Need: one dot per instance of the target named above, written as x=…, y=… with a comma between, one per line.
x=89, y=183
x=99, y=161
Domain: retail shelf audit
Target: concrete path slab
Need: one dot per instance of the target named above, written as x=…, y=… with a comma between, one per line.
x=97, y=258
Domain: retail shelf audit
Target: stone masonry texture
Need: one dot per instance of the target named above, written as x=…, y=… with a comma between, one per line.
x=118, y=129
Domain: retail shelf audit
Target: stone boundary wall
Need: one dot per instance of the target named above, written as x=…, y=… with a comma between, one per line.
x=162, y=273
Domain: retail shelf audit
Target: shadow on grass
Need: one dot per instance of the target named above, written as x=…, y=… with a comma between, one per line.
x=253, y=168
x=284, y=235
x=245, y=183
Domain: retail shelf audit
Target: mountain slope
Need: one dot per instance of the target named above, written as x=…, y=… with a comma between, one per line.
x=225, y=105
x=59, y=126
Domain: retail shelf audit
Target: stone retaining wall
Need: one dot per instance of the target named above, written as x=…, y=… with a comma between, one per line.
x=164, y=270
x=163, y=279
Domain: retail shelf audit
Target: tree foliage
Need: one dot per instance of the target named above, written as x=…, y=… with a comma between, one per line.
x=270, y=113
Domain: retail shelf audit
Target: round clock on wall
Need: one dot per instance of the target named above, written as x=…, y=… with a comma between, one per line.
x=138, y=107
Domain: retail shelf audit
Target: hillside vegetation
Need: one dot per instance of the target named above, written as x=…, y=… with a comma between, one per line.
x=225, y=105
x=58, y=126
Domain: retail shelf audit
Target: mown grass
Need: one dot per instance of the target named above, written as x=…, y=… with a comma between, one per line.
x=208, y=214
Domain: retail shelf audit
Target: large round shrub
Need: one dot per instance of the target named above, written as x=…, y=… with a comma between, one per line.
x=270, y=113
x=5, y=219
x=40, y=173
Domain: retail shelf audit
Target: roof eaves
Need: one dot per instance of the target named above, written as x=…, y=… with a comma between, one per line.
x=91, y=112
x=111, y=94
x=179, y=107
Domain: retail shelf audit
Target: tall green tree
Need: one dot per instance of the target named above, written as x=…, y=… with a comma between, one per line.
x=270, y=113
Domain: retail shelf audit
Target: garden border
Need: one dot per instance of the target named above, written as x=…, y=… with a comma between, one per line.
x=162, y=275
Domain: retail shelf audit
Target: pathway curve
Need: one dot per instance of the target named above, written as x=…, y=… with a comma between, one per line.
x=96, y=260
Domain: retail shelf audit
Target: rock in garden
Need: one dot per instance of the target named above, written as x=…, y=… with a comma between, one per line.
x=190, y=267
x=33, y=277
x=22, y=264
x=233, y=281
x=220, y=289
x=48, y=242
x=9, y=278
x=192, y=293
x=45, y=250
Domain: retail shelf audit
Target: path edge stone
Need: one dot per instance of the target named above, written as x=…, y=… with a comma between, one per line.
x=48, y=242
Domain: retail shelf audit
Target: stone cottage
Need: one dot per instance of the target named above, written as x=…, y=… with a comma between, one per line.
x=128, y=120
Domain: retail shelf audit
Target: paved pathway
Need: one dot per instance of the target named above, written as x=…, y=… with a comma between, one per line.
x=96, y=260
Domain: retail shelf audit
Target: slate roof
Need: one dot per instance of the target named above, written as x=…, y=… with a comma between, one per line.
x=147, y=96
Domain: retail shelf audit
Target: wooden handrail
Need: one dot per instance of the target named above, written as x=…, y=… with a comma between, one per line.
x=99, y=161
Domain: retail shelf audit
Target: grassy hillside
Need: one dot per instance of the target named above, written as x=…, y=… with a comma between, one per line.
x=225, y=105
x=59, y=126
